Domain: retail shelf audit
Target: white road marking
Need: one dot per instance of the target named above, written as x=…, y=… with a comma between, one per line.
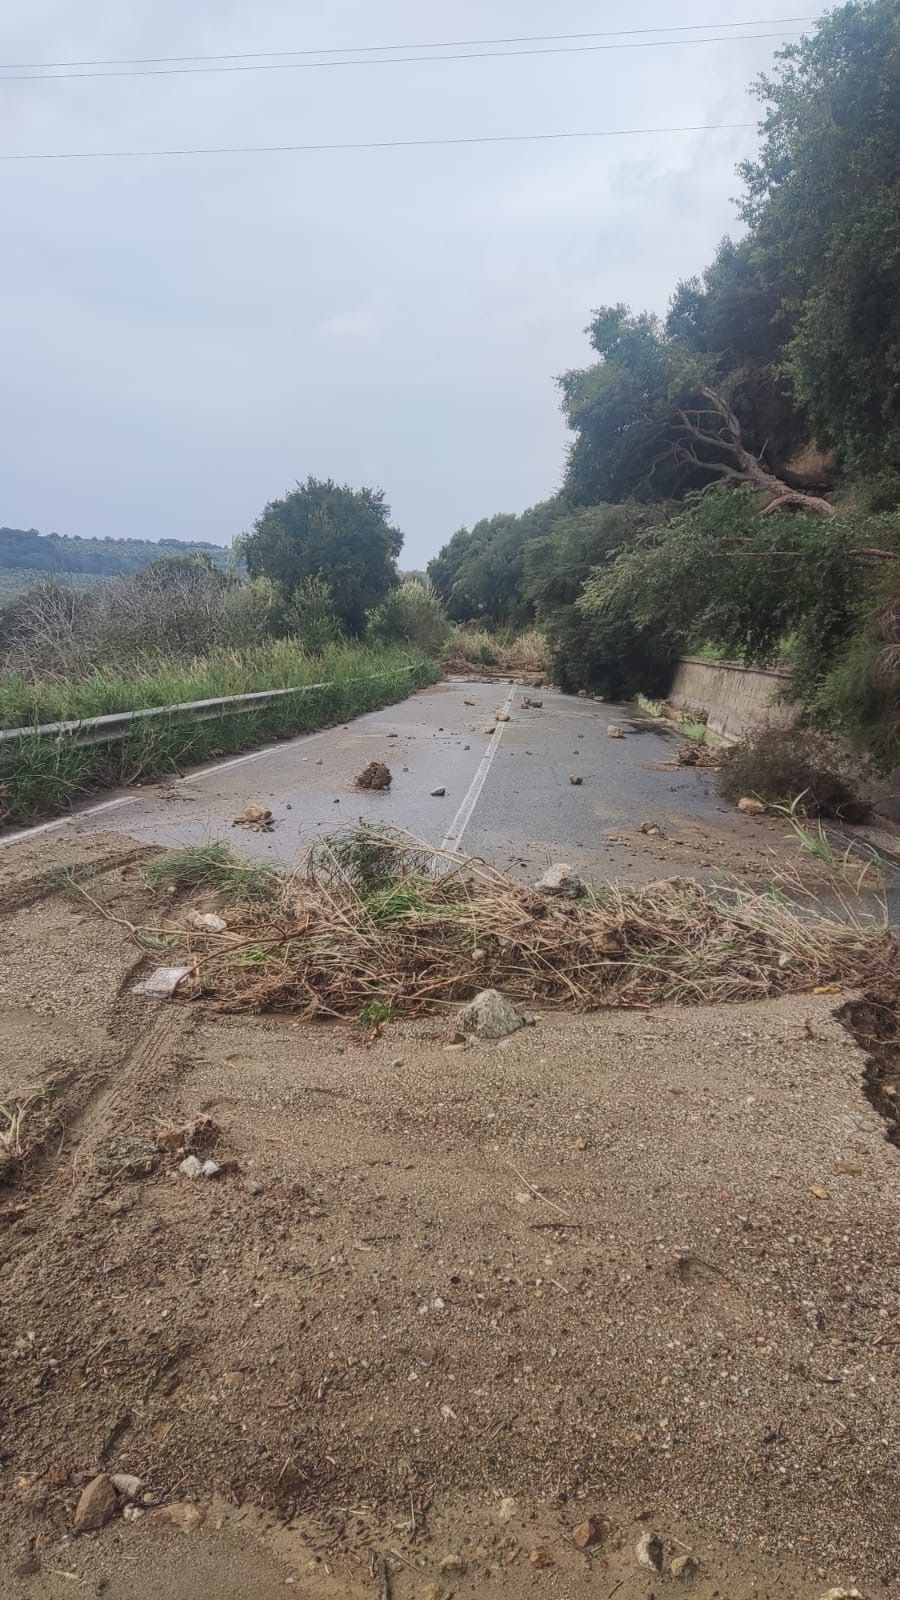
x=463, y=816
x=62, y=822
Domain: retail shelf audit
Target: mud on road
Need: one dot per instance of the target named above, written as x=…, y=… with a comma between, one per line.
x=440, y=1304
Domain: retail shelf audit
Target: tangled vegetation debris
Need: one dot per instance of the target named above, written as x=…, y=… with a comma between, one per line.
x=375, y=918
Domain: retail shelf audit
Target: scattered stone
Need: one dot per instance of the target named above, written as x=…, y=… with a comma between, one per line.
x=206, y=922
x=375, y=776
x=561, y=879
x=468, y=702
x=489, y=730
x=507, y=1509
x=842, y=1594
x=438, y=794
x=253, y=1186
x=614, y=731
x=126, y=1155
x=133, y=1513
x=649, y=1552
x=682, y=1566
x=541, y=1558
x=210, y=1169
x=574, y=779
x=126, y=1484
x=191, y=1167
x=532, y=705
x=501, y=716
x=454, y=1565
x=751, y=807
x=587, y=1534
x=97, y=1504
x=162, y=983
x=653, y=829
x=181, y=1514
x=257, y=818
x=490, y=1016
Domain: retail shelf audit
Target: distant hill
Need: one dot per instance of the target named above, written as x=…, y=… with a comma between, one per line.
x=24, y=550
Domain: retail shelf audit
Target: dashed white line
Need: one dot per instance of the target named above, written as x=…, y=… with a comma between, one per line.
x=463, y=816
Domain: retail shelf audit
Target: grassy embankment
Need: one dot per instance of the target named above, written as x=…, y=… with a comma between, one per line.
x=40, y=776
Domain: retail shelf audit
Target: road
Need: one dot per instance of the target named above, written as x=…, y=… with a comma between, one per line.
x=508, y=795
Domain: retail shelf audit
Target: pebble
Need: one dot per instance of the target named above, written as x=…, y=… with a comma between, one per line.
x=127, y=1484
x=252, y=1186
x=541, y=1558
x=438, y=794
x=181, y=1514
x=210, y=1169
x=454, y=1565
x=682, y=1566
x=191, y=1167
x=587, y=1533
x=649, y=1552
x=614, y=732
x=97, y=1504
x=575, y=781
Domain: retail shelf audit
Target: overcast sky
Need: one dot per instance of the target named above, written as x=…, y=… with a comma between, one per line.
x=183, y=339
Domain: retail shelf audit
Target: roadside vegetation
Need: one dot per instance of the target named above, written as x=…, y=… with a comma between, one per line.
x=321, y=608
x=733, y=481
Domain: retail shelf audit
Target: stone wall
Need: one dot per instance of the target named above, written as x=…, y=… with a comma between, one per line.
x=733, y=698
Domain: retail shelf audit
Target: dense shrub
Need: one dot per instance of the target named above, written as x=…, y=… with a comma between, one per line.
x=412, y=614
x=785, y=765
x=172, y=608
x=309, y=616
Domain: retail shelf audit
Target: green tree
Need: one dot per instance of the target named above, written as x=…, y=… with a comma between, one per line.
x=582, y=542
x=479, y=573
x=338, y=534
x=650, y=422
x=823, y=204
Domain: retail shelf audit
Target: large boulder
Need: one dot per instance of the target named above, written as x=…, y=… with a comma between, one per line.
x=490, y=1016
x=561, y=879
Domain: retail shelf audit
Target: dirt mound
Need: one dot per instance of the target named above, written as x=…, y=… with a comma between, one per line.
x=375, y=776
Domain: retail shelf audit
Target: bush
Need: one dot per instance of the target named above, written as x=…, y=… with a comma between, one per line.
x=412, y=614
x=778, y=765
x=174, y=607
x=309, y=616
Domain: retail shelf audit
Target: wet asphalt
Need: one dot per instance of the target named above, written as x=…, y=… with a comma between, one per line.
x=508, y=796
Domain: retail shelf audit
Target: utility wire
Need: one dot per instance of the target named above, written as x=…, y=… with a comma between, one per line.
x=367, y=144
x=367, y=49
x=384, y=61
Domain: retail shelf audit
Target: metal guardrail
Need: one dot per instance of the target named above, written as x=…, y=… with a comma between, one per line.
x=117, y=724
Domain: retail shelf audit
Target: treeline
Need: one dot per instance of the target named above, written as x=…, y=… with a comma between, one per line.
x=733, y=479
x=26, y=550
x=318, y=567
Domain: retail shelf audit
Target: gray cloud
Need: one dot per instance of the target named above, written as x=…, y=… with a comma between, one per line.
x=184, y=338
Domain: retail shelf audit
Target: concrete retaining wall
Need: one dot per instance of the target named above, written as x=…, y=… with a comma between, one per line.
x=733, y=698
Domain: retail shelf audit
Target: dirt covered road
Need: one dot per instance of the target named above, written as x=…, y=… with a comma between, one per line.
x=447, y=1305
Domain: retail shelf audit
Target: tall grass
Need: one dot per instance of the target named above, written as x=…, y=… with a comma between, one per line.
x=515, y=652
x=41, y=775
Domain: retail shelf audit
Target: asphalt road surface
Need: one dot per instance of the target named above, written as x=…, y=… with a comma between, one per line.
x=508, y=795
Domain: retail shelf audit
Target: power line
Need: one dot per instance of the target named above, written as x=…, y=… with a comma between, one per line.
x=368, y=144
x=363, y=49
x=385, y=61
